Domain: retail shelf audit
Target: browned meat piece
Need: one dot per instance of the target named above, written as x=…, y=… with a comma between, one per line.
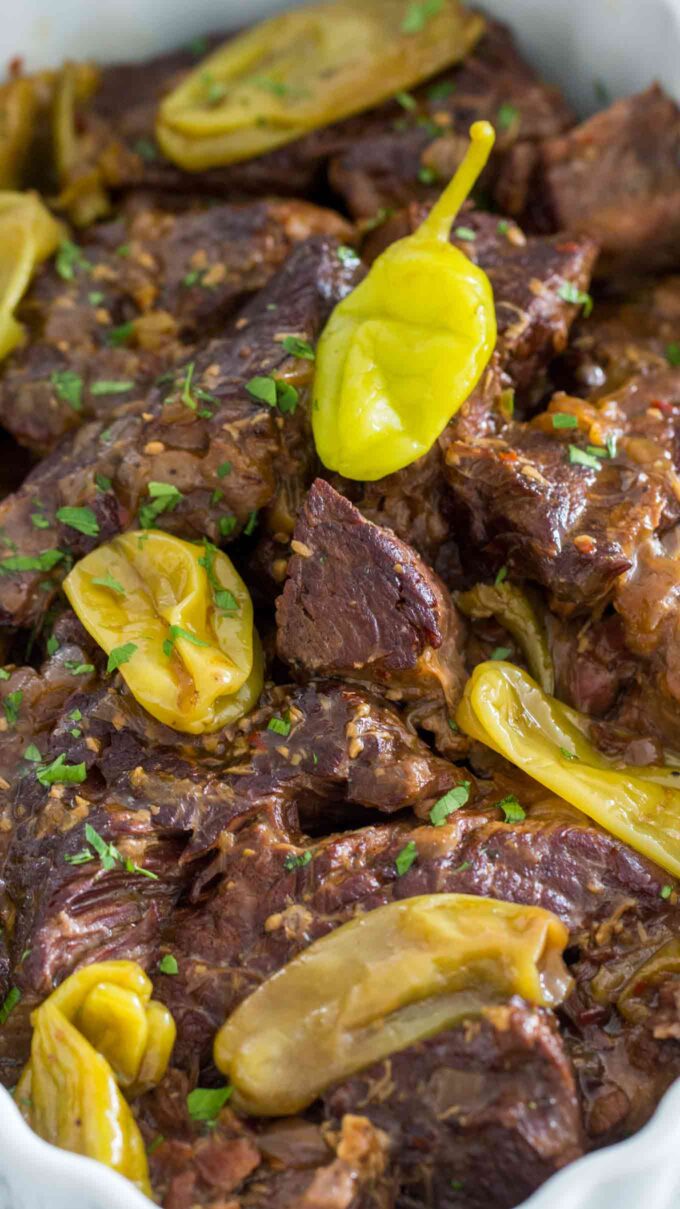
x=136, y=297
x=361, y=605
x=478, y=1116
x=624, y=339
x=572, y=526
x=615, y=177
x=402, y=155
x=227, y=454
x=529, y=276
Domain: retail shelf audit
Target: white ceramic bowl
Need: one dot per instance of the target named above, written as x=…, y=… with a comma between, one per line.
x=581, y=45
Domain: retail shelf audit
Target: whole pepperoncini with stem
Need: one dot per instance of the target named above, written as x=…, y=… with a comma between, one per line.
x=99, y=1031
x=177, y=620
x=505, y=709
x=304, y=69
x=403, y=351
x=380, y=983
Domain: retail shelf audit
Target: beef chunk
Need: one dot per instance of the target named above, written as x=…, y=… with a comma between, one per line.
x=384, y=166
x=478, y=1116
x=528, y=275
x=359, y=604
x=615, y=177
x=570, y=526
x=140, y=292
x=201, y=422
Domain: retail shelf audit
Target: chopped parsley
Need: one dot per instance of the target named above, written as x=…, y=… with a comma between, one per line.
x=406, y=858
x=564, y=419
x=25, y=562
x=194, y=277
x=108, y=581
x=406, y=101
x=123, y=250
x=81, y=519
x=292, y=861
x=12, y=998
x=224, y=599
x=109, y=856
x=226, y=525
x=120, y=335
x=665, y=892
x=507, y=115
x=205, y=1103
x=75, y=715
x=418, y=14
x=250, y=525
x=79, y=858
x=598, y=451
x=4, y=674
x=78, y=669
x=68, y=387
x=465, y=233
x=107, y=386
x=39, y=521
x=347, y=255
x=168, y=964
x=146, y=149
x=61, y=773
x=500, y=652
x=453, y=725
x=52, y=645
x=579, y=457
x=32, y=754
x=441, y=90
x=298, y=348
x=175, y=632
x=95, y=298
x=163, y=497
x=280, y=726
x=70, y=259
x=568, y=755
x=426, y=176
x=120, y=655
x=198, y=47
x=223, y=470
x=453, y=800
x=503, y=226
x=673, y=353
x=501, y=577
x=214, y=90
x=569, y=292
x=12, y=706
x=513, y=811
x=274, y=392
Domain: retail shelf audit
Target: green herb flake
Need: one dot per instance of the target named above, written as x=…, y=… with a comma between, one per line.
x=665, y=892
x=287, y=396
x=155, y=1143
x=249, y=528
x=226, y=525
x=214, y=90
x=106, y=386
x=12, y=706
x=108, y=581
x=500, y=652
x=12, y=998
x=501, y=577
x=95, y=298
x=78, y=669
x=205, y=1103
x=503, y=226
x=79, y=858
x=453, y=725
x=168, y=964
x=453, y=800
x=223, y=470
x=568, y=755
x=507, y=115
x=579, y=457
x=24, y=562
x=406, y=101
x=102, y=482
x=164, y=497
x=198, y=47
x=39, y=521
x=75, y=715
x=564, y=419
x=292, y=861
x=68, y=387
x=457, y=1185
x=146, y=149
x=119, y=335
x=69, y=260
x=175, y=632
x=280, y=726
x=298, y=348
x=120, y=655
x=427, y=176
x=513, y=812
x=61, y=773
x=347, y=255
x=123, y=250
x=32, y=754
x=263, y=389
x=407, y=857
x=673, y=353
x=464, y=233
x=81, y=519
x=4, y=674
x=569, y=292
x=441, y=90
x=224, y=599
x=418, y=14
x=52, y=645
x=598, y=451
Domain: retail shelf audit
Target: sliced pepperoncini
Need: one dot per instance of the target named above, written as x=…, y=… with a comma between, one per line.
x=403, y=351
x=100, y=1030
x=28, y=235
x=513, y=608
x=176, y=619
x=304, y=69
x=380, y=983
x=505, y=709
x=82, y=194
x=18, y=107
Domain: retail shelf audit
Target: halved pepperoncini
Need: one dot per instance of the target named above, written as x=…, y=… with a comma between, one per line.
x=380, y=983
x=99, y=1031
x=403, y=351
x=304, y=69
x=28, y=235
x=514, y=609
x=505, y=709
x=176, y=619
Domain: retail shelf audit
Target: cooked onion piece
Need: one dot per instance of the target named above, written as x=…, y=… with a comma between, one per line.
x=99, y=1031
x=304, y=69
x=176, y=619
x=505, y=709
x=380, y=983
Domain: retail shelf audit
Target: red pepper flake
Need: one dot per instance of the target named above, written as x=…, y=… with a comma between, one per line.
x=568, y=246
x=663, y=406
x=508, y=456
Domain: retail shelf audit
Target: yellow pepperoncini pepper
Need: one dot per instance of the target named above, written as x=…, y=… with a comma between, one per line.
x=100, y=1030
x=19, y=106
x=304, y=69
x=505, y=709
x=177, y=620
x=28, y=235
x=82, y=194
x=513, y=608
x=380, y=983
x=403, y=351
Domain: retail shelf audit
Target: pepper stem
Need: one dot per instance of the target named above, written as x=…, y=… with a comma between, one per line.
x=437, y=225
